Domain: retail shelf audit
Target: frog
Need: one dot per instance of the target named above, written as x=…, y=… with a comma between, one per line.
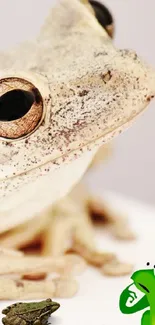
x=81, y=92
x=35, y=313
x=144, y=280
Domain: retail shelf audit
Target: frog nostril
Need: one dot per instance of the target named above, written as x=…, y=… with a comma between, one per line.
x=15, y=104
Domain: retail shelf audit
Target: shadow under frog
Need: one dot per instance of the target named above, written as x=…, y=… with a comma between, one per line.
x=144, y=280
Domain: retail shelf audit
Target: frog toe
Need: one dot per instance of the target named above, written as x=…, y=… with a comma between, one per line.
x=4, y=320
x=37, y=322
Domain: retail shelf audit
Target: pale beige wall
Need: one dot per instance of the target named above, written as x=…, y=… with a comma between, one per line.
x=132, y=169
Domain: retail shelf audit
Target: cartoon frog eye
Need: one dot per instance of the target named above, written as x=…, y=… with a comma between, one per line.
x=148, y=263
x=103, y=16
x=21, y=108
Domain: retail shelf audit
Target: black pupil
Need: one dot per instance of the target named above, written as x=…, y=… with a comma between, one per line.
x=15, y=104
x=147, y=263
x=102, y=14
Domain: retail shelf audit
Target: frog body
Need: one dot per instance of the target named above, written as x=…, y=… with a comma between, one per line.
x=85, y=92
x=35, y=313
x=144, y=280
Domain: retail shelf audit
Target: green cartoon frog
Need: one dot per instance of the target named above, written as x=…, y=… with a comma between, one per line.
x=144, y=280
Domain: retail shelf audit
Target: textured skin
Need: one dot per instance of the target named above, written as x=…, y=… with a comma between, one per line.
x=29, y=313
x=91, y=92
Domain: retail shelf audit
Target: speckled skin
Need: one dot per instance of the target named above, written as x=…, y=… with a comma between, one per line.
x=91, y=92
x=34, y=313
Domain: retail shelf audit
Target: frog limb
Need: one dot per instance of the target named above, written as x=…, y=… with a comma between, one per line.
x=44, y=318
x=126, y=294
x=71, y=229
x=71, y=226
x=62, y=287
x=30, y=264
x=102, y=213
x=73, y=232
x=24, y=234
x=132, y=295
x=84, y=244
x=4, y=320
x=146, y=319
x=98, y=208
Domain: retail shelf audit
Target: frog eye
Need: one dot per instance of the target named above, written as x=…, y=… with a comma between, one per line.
x=148, y=264
x=103, y=16
x=21, y=108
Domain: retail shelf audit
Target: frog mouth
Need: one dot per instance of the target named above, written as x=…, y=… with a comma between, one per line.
x=95, y=143
x=144, y=287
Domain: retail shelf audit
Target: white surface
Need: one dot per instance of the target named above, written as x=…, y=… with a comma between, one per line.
x=98, y=299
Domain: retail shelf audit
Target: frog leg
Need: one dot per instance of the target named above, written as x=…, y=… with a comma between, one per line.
x=4, y=320
x=57, y=236
x=72, y=230
x=98, y=209
x=71, y=227
x=13, y=320
x=43, y=320
x=102, y=214
x=84, y=242
x=146, y=319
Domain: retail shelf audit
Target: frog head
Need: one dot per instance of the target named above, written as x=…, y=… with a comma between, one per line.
x=144, y=280
x=73, y=92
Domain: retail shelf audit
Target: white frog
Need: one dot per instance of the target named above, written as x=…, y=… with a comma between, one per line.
x=74, y=92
